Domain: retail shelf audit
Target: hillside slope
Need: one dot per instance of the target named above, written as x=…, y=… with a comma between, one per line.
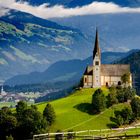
x=72, y=112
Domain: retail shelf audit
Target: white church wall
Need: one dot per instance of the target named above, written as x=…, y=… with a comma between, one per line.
x=87, y=81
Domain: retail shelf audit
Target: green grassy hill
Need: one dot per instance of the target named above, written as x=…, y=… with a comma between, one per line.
x=72, y=112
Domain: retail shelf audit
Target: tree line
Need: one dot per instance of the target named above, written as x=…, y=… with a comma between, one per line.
x=127, y=95
x=25, y=121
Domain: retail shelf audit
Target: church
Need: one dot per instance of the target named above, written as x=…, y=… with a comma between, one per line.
x=98, y=74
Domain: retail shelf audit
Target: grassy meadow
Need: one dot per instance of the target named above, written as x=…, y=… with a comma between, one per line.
x=72, y=112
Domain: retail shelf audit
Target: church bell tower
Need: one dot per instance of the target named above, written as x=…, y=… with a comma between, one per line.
x=96, y=63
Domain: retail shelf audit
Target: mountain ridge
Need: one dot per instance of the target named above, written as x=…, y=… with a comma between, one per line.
x=72, y=72
x=29, y=43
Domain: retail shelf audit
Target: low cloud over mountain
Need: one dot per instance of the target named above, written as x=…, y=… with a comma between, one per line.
x=45, y=11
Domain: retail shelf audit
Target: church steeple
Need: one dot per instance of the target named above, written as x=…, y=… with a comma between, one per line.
x=96, y=63
x=96, y=45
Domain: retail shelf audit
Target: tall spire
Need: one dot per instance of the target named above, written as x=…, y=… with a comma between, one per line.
x=96, y=46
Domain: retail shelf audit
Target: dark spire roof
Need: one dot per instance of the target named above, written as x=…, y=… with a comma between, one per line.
x=96, y=46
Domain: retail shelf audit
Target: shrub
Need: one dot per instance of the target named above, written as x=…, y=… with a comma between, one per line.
x=112, y=97
x=125, y=116
x=135, y=105
x=98, y=101
x=126, y=78
x=49, y=114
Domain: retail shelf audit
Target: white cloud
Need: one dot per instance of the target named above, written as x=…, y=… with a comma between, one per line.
x=44, y=11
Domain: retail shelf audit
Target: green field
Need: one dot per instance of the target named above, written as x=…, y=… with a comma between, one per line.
x=71, y=112
x=8, y=104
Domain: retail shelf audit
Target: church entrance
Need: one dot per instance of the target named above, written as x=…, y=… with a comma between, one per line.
x=106, y=84
x=119, y=83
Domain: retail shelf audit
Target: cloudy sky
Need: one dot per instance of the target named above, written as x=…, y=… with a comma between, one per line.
x=46, y=12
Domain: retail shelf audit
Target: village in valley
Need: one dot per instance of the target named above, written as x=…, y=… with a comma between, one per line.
x=12, y=98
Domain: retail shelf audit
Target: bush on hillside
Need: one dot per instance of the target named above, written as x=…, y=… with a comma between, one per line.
x=129, y=93
x=49, y=114
x=125, y=94
x=112, y=96
x=125, y=78
x=125, y=116
x=135, y=105
x=98, y=101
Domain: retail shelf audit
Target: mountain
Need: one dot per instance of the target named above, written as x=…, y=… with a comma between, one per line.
x=134, y=61
x=28, y=43
x=75, y=3
x=117, y=32
x=61, y=71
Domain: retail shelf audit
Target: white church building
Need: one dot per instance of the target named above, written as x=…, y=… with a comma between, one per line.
x=98, y=74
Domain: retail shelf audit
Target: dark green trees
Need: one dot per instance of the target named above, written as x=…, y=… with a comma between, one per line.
x=21, y=124
x=125, y=94
x=135, y=104
x=98, y=101
x=49, y=114
x=122, y=117
x=30, y=121
x=112, y=96
x=125, y=78
x=8, y=123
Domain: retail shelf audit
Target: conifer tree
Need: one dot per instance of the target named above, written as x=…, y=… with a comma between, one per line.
x=49, y=114
x=98, y=101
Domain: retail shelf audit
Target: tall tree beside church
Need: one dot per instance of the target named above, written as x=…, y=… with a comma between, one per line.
x=98, y=101
x=49, y=114
x=125, y=78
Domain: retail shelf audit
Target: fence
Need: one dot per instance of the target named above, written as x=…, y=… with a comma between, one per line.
x=108, y=134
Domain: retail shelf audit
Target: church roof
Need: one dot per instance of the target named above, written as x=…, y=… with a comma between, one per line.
x=96, y=46
x=114, y=70
x=110, y=70
x=89, y=70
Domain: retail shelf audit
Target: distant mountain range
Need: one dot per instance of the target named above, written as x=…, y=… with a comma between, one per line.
x=31, y=44
x=134, y=61
x=61, y=71
x=75, y=3
x=28, y=43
